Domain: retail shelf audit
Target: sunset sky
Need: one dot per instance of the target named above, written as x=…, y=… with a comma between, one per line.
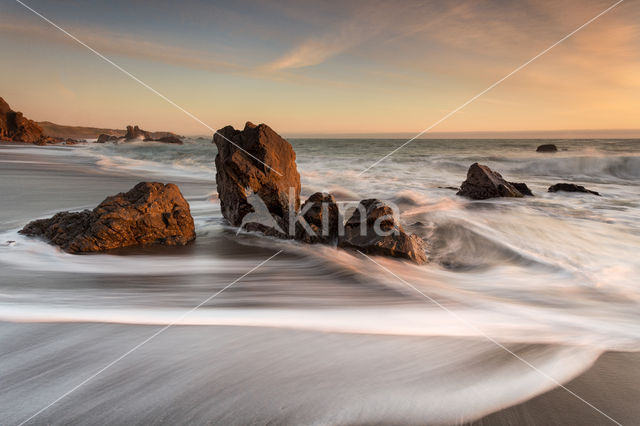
x=324, y=67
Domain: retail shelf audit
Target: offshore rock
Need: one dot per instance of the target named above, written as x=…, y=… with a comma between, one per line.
x=483, y=183
x=571, y=187
x=548, y=147
x=103, y=138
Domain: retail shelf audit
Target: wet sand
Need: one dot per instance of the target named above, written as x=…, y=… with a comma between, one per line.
x=255, y=375
x=611, y=385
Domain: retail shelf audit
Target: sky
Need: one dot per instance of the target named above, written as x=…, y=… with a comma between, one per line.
x=310, y=67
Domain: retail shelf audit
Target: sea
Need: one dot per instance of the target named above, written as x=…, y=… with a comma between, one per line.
x=520, y=294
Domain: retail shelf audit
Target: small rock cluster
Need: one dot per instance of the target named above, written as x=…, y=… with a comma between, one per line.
x=483, y=183
x=135, y=133
x=256, y=161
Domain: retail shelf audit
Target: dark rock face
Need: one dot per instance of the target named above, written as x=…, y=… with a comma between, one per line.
x=321, y=213
x=483, y=183
x=17, y=128
x=242, y=172
x=150, y=213
x=103, y=138
x=548, y=147
x=522, y=188
x=134, y=132
x=373, y=229
x=571, y=187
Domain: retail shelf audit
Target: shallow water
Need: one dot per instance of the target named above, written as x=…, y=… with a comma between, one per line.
x=558, y=269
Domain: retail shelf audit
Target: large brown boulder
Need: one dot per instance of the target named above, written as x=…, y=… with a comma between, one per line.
x=318, y=220
x=15, y=127
x=483, y=183
x=150, y=213
x=373, y=228
x=256, y=160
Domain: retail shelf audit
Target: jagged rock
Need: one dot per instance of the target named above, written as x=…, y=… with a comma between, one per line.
x=548, y=147
x=571, y=187
x=320, y=212
x=373, y=228
x=150, y=213
x=134, y=132
x=17, y=128
x=103, y=138
x=256, y=160
x=166, y=139
x=522, y=188
x=483, y=183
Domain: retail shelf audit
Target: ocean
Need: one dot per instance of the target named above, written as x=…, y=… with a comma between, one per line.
x=323, y=335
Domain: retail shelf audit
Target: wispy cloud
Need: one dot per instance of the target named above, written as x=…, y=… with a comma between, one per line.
x=112, y=43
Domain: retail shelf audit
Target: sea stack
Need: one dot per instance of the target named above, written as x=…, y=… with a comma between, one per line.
x=483, y=183
x=256, y=161
x=150, y=213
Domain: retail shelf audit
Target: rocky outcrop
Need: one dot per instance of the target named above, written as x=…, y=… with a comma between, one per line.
x=17, y=128
x=150, y=213
x=319, y=218
x=104, y=138
x=548, y=147
x=256, y=160
x=483, y=183
x=571, y=187
x=373, y=228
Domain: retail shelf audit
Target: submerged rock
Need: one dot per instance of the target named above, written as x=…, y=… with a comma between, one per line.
x=373, y=229
x=150, y=213
x=571, y=187
x=483, y=183
x=256, y=160
x=548, y=147
x=320, y=212
x=167, y=139
x=522, y=188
